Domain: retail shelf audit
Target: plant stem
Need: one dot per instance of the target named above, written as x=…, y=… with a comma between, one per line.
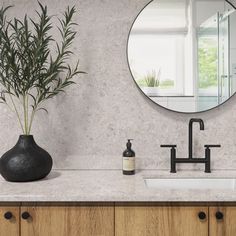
x=31, y=119
x=17, y=113
x=33, y=113
x=25, y=113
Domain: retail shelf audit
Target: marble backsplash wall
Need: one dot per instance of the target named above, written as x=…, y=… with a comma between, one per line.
x=87, y=128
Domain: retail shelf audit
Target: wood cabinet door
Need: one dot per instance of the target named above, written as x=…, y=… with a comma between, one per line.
x=68, y=221
x=11, y=226
x=146, y=220
x=223, y=224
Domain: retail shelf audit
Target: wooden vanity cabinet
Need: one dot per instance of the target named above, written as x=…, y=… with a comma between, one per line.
x=117, y=219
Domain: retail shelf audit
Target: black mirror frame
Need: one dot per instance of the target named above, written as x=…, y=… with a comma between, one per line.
x=127, y=57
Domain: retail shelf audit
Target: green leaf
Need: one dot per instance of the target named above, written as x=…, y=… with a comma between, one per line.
x=43, y=109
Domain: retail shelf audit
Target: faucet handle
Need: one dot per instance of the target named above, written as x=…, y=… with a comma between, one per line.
x=172, y=156
x=212, y=146
x=208, y=156
x=168, y=146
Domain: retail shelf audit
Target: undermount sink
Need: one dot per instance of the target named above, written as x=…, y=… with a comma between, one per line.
x=193, y=183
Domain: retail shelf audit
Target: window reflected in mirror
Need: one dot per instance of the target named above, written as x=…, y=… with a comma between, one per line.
x=182, y=53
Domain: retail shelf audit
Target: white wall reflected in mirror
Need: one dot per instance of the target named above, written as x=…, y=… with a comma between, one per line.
x=182, y=53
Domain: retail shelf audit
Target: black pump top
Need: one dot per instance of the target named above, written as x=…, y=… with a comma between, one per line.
x=129, y=152
x=129, y=144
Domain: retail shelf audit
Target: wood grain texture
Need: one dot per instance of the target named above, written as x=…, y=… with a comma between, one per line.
x=149, y=220
x=9, y=227
x=224, y=227
x=69, y=221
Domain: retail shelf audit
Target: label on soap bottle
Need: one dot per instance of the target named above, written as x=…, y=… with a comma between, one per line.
x=128, y=163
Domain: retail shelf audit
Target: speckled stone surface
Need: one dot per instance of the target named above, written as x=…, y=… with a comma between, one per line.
x=110, y=186
x=87, y=128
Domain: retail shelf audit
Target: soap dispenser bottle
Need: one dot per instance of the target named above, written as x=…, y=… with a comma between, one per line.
x=129, y=160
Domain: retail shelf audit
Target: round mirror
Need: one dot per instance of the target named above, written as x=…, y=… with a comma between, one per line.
x=182, y=53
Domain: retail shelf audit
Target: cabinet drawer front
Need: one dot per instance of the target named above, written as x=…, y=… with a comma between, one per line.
x=160, y=221
x=10, y=226
x=69, y=221
x=222, y=221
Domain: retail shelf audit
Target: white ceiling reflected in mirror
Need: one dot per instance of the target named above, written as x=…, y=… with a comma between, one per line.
x=182, y=53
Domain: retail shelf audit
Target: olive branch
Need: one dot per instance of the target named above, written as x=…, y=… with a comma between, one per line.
x=29, y=74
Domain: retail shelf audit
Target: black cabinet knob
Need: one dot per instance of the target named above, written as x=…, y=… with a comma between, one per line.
x=219, y=215
x=8, y=215
x=25, y=215
x=202, y=215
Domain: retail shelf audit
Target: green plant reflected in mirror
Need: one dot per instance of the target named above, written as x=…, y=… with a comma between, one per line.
x=182, y=53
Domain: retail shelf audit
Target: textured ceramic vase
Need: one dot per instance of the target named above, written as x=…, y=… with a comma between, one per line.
x=26, y=161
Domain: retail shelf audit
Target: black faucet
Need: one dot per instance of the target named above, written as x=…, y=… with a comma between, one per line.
x=190, y=159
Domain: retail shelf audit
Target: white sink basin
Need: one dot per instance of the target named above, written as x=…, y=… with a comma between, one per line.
x=194, y=183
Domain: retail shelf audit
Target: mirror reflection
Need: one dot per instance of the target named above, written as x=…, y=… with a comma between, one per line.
x=182, y=53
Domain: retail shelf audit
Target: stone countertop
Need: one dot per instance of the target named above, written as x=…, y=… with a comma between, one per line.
x=111, y=186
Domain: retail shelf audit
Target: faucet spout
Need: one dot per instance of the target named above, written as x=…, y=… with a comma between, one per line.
x=190, y=137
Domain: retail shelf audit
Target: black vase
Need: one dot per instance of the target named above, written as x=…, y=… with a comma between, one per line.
x=26, y=161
